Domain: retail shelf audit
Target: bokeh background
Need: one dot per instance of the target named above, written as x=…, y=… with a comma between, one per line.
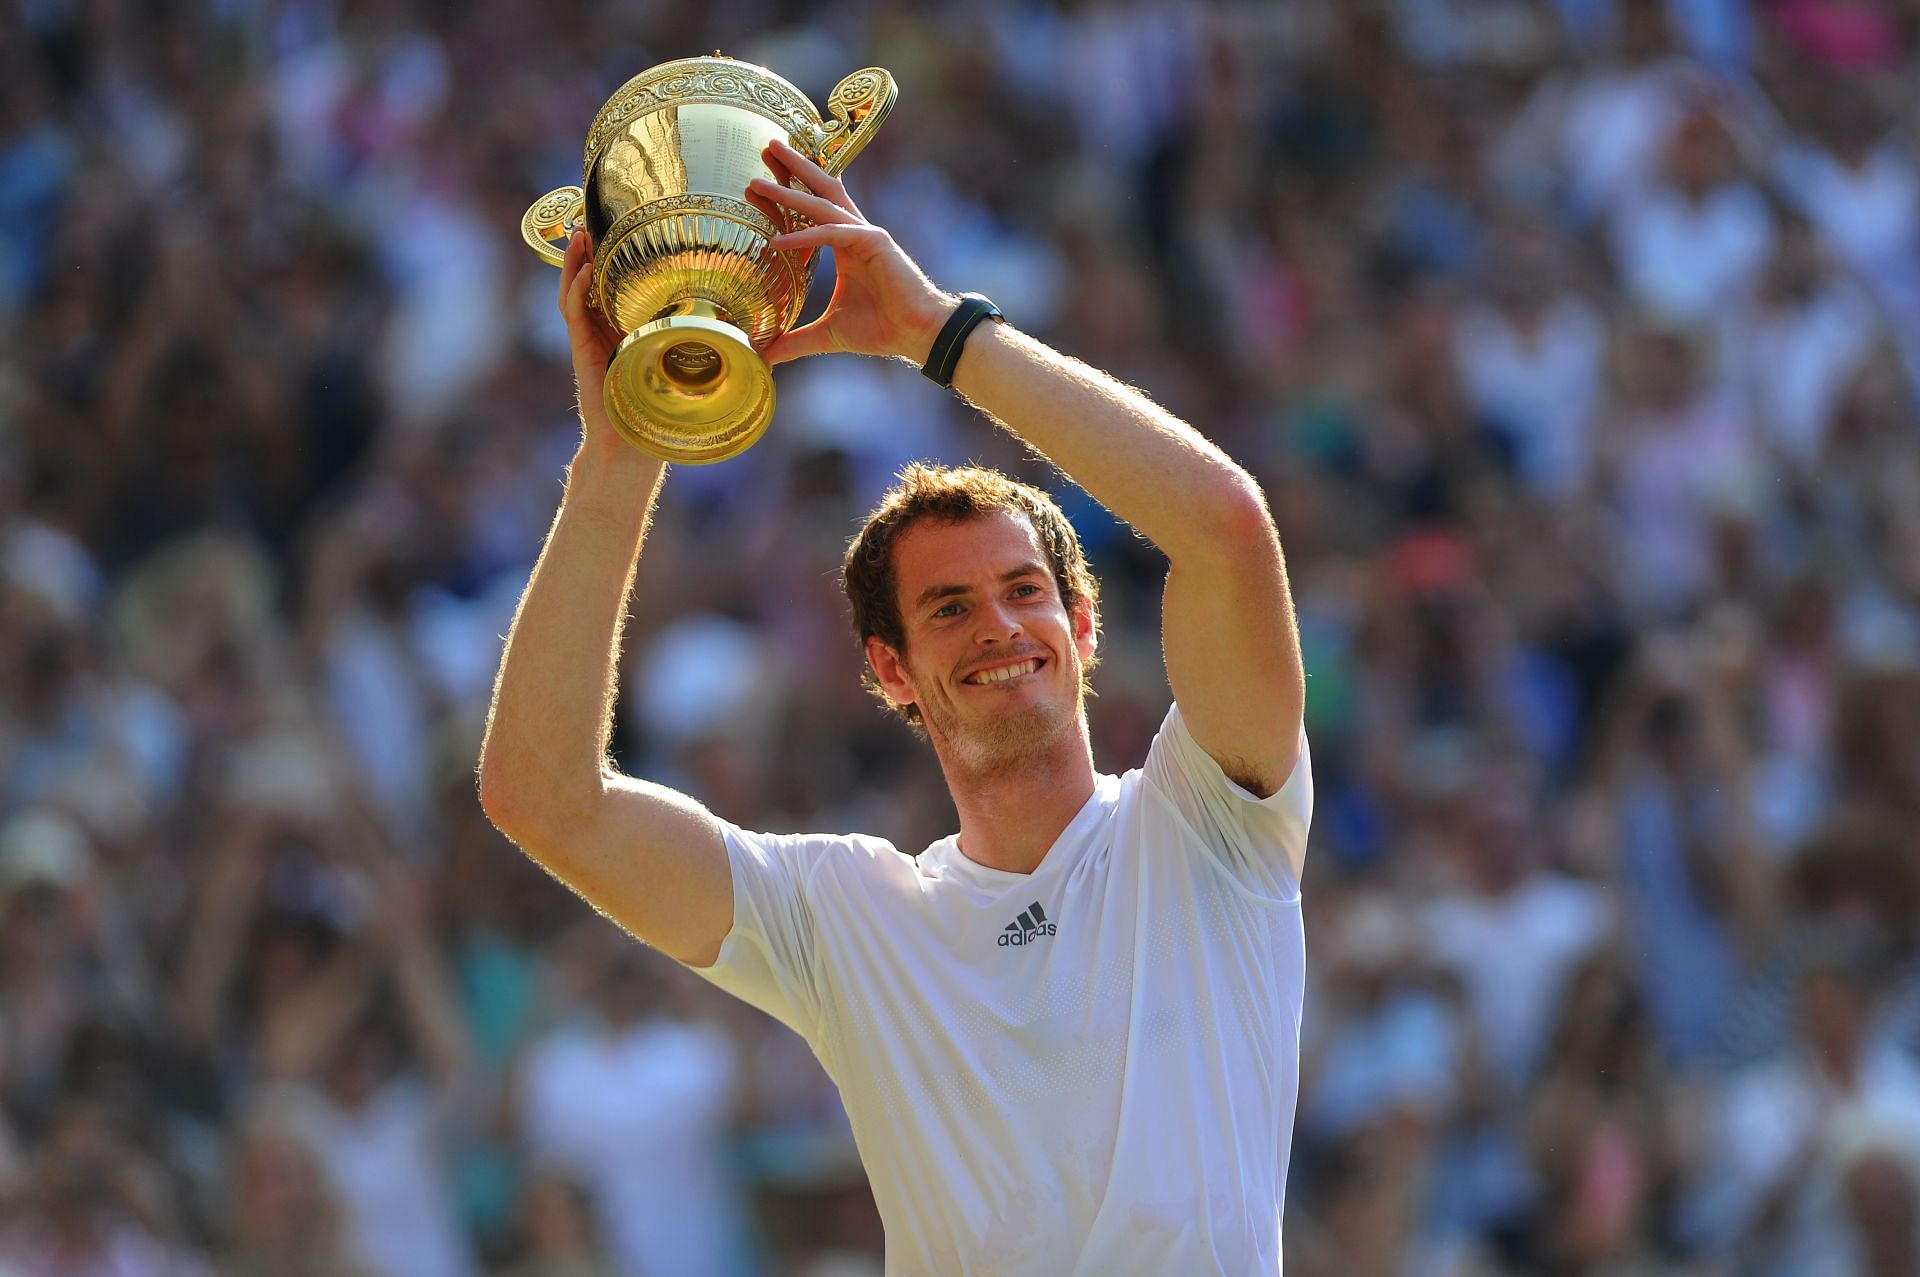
x=1575, y=343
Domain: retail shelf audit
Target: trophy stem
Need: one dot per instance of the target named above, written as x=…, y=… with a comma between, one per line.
x=689, y=386
x=692, y=366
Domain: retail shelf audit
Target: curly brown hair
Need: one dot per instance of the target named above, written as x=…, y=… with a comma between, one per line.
x=951, y=495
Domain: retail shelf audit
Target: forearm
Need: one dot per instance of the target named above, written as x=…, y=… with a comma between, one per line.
x=1141, y=462
x=432, y=1018
x=549, y=727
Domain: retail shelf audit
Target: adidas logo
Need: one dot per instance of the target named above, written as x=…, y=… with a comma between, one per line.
x=1031, y=925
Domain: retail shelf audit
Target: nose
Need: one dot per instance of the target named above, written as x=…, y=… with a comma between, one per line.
x=996, y=624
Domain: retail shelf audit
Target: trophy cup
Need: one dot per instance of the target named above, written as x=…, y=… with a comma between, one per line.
x=681, y=263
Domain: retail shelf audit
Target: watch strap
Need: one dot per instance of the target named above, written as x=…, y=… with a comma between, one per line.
x=945, y=355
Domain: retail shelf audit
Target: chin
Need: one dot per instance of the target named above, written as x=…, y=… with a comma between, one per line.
x=1013, y=738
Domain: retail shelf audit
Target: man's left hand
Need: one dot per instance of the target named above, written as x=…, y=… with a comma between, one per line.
x=883, y=304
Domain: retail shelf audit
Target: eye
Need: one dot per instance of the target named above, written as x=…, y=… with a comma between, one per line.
x=945, y=610
x=1022, y=591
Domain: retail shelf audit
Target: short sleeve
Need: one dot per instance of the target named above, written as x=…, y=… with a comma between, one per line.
x=1258, y=841
x=769, y=956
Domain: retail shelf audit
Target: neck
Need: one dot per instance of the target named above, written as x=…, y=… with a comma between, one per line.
x=1011, y=813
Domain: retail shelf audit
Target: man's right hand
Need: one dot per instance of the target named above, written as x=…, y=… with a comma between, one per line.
x=593, y=341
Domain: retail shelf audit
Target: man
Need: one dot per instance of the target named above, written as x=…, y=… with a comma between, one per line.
x=1067, y=1037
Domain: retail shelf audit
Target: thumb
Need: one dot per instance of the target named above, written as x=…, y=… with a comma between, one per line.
x=815, y=338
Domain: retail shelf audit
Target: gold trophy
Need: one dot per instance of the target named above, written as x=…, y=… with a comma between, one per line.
x=681, y=263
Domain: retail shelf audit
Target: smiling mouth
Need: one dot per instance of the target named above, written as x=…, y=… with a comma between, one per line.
x=1004, y=673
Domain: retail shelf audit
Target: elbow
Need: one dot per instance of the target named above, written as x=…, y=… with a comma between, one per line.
x=1223, y=529
x=524, y=802
x=497, y=797
x=1241, y=523
x=492, y=775
x=507, y=797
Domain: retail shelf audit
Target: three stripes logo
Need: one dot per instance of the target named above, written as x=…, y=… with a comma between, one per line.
x=1031, y=925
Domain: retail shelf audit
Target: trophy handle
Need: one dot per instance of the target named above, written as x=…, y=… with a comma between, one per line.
x=859, y=105
x=550, y=223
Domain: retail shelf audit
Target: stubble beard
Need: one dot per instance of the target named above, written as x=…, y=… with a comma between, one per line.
x=1010, y=740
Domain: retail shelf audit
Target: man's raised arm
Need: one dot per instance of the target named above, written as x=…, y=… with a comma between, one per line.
x=1232, y=649
x=651, y=859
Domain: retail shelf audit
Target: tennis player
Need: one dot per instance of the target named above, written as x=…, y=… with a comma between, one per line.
x=1067, y=1036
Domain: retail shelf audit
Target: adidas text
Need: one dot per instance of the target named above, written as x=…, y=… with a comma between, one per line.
x=1031, y=925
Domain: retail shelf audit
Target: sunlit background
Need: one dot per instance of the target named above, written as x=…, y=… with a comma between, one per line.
x=1575, y=345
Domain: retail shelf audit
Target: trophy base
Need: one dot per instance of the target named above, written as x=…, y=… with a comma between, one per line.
x=690, y=388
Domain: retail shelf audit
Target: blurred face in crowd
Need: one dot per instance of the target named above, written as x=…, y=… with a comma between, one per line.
x=559, y=1218
x=1702, y=156
x=628, y=989
x=280, y=1200
x=1880, y=1197
x=1835, y=1011
x=993, y=659
x=362, y=1063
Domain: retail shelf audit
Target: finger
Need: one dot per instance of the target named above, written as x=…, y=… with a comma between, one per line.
x=578, y=307
x=812, y=339
x=579, y=260
x=775, y=165
x=836, y=235
x=813, y=207
x=783, y=219
x=578, y=279
x=767, y=208
x=569, y=266
x=809, y=171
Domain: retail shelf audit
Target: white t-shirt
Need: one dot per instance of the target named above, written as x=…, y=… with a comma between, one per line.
x=1090, y=1069
x=388, y=1165
x=640, y=1115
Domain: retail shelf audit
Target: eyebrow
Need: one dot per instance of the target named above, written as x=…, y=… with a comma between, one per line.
x=932, y=592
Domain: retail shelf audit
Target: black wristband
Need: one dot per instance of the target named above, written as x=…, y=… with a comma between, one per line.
x=945, y=355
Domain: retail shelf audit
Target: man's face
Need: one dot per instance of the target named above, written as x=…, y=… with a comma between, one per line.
x=993, y=660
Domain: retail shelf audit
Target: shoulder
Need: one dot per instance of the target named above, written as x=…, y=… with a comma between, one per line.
x=1174, y=751
x=809, y=858
x=1258, y=833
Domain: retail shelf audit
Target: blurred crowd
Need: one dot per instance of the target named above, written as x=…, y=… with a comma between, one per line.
x=1575, y=342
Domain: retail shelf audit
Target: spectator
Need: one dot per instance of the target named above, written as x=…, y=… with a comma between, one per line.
x=1774, y=1186
x=1696, y=240
x=286, y=1220
x=558, y=1231
x=1576, y=346
x=636, y=1101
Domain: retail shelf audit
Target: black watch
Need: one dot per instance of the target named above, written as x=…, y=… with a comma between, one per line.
x=945, y=355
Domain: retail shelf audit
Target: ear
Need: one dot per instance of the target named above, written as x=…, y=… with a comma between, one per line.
x=1085, y=623
x=891, y=672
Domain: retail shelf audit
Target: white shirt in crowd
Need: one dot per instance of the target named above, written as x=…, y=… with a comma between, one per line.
x=1090, y=1069
x=1870, y=212
x=1687, y=261
x=1799, y=361
x=1782, y=1123
x=1544, y=385
x=387, y=1161
x=1513, y=954
x=1678, y=474
x=640, y=1116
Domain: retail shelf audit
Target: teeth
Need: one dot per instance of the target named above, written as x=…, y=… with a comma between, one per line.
x=1006, y=672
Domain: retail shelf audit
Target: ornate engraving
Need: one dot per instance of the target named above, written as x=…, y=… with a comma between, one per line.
x=557, y=207
x=859, y=88
x=556, y=211
x=795, y=274
x=717, y=80
x=738, y=210
x=859, y=105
